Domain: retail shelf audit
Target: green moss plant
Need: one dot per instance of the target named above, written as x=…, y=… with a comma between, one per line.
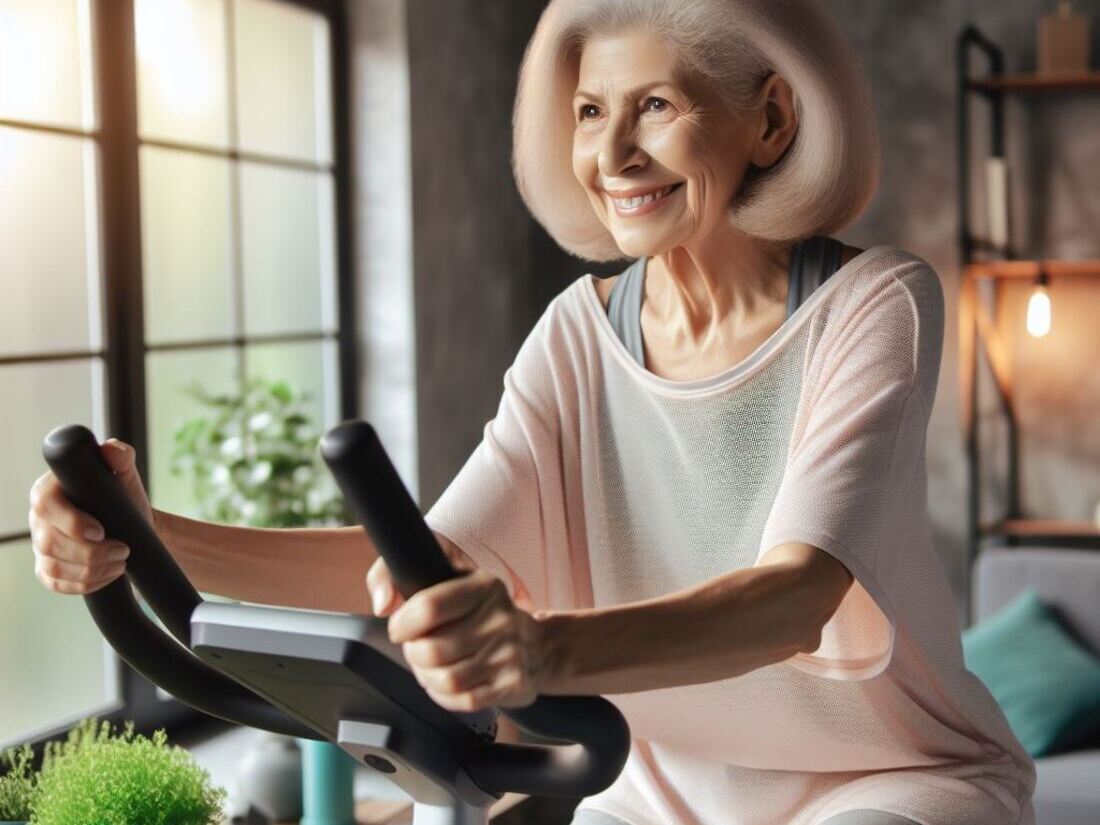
x=17, y=784
x=98, y=778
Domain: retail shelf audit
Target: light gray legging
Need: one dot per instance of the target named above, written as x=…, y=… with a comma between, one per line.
x=865, y=817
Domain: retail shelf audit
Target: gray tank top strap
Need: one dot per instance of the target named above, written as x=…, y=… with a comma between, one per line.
x=624, y=308
x=812, y=262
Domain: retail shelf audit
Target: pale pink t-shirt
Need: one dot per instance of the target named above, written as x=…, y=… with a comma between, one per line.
x=600, y=483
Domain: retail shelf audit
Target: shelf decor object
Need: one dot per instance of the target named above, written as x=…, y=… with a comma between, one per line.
x=989, y=265
x=1063, y=42
x=996, y=198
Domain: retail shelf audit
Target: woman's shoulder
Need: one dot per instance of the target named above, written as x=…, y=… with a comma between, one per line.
x=891, y=271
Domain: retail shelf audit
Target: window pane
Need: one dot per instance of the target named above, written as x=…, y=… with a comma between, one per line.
x=37, y=398
x=288, y=250
x=309, y=367
x=283, y=87
x=49, y=250
x=182, y=71
x=167, y=376
x=57, y=667
x=45, y=62
x=186, y=245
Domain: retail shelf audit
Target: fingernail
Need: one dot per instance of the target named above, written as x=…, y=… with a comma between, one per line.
x=119, y=555
x=94, y=533
x=118, y=447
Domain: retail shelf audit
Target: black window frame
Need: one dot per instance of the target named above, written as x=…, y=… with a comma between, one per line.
x=123, y=348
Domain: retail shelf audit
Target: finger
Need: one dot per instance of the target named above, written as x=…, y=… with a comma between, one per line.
x=482, y=696
x=72, y=588
x=458, y=640
x=51, y=505
x=50, y=542
x=456, y=678
x=446, y=602
x=76, y=573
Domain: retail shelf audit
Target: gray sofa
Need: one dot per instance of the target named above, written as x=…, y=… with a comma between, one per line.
x=1067, y=790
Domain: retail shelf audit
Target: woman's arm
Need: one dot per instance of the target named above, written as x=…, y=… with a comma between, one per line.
x=313, y=568
x=719, y=629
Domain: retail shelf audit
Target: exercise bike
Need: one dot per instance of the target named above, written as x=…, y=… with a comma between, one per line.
x=330, y=676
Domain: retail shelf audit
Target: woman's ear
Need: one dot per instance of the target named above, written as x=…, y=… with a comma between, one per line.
x=776, y=122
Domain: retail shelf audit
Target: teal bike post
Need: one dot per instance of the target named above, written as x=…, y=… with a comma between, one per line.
x=327, y=784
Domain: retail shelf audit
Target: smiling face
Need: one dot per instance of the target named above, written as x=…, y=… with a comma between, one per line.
x=639, y=131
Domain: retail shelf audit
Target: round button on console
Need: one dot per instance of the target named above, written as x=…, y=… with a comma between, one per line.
x=379, y=764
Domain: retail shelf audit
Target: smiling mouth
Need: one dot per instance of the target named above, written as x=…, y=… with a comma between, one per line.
x=642, y=200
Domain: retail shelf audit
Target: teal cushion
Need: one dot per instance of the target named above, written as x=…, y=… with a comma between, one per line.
x=1046, y=683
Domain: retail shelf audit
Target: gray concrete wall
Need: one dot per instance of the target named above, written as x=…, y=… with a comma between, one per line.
x=484, y=270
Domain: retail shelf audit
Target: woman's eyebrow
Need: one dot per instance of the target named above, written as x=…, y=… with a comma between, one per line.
x=630, y=93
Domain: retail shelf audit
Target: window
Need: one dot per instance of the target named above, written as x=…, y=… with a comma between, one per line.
x=175, y=209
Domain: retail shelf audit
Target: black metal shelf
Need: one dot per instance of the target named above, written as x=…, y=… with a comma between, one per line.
x=977, y=338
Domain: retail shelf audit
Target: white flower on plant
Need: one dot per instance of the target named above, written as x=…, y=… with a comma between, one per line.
x=231, y=446
x=260, y=421
x=260, y=472
x=220, y=475
x=302, y=474
x=248, y=509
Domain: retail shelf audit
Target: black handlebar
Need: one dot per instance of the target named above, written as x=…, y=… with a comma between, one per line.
x=384, y=507
x=73, y=455
x=382, y=504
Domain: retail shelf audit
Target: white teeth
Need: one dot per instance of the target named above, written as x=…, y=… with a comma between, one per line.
x=634, y=203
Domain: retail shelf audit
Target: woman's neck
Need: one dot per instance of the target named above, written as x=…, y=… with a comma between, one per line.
x=694, y=292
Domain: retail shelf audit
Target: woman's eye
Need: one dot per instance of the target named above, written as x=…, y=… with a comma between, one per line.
x=584, y=109
x=660, y=100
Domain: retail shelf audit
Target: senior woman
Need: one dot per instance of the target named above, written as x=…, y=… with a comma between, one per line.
x=709, y=505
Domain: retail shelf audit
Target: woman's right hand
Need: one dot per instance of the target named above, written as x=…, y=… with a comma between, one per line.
x=72, y=555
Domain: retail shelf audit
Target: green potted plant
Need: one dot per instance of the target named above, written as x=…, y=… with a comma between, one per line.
x=253, y=459
x=98, y=777
x=16, y=785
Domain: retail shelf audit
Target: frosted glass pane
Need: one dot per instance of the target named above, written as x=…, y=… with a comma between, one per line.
x=283, y=87
x=182, y=71
x=308, y=366
x=35, y=399
x=46, y=62
x=49, y=249
x=167, y=374
x=56, y=666
x=187, y=245
x=288, y=250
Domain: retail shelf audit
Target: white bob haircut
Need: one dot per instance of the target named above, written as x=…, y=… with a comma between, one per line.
x=823, y=181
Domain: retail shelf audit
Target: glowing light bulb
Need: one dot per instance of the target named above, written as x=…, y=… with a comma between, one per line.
x=1038, y=310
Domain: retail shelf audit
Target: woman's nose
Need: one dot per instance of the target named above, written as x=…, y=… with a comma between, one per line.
x=619, y=151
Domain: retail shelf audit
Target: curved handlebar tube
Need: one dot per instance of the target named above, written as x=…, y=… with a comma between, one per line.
x=384, y=507
x=73, y=455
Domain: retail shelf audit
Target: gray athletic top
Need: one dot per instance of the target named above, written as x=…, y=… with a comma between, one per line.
x=812, y=262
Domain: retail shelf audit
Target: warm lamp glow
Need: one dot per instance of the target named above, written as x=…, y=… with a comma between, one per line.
x=1038, y=312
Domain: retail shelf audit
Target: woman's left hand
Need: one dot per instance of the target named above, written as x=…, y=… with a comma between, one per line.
x=468, y=644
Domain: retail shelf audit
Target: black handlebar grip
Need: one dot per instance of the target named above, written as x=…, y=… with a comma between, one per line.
x=74, y=457
x=382, y=504
x=384, y=507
